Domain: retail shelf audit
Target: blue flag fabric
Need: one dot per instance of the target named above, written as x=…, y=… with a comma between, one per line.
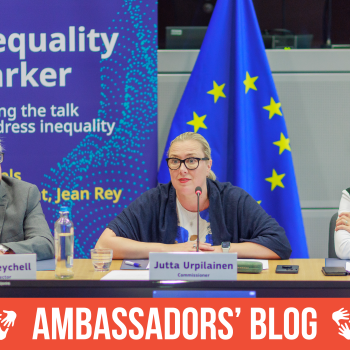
x=232, y=101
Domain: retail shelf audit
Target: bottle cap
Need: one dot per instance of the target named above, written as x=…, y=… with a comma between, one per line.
x=64, y=210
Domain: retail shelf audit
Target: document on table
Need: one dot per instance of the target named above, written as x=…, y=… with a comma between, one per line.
x=127, y=275
x=265, y=263
x=335, y=262
x=46, y=265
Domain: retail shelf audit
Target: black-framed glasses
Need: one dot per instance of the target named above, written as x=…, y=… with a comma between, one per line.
x=1, y=157
x=190, y=163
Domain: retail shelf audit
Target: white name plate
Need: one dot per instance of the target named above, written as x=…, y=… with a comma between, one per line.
x=193, y=266
x=18, y=267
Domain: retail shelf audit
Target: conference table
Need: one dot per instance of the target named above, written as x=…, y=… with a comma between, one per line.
x=308, y=283
x=309, y=270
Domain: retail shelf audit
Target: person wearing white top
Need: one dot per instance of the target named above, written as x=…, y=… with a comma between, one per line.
x=342, y=228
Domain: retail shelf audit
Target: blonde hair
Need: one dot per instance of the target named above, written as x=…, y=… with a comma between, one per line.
x=199, y=138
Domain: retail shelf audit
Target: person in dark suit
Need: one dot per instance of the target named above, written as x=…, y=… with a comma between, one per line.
x=23, y=228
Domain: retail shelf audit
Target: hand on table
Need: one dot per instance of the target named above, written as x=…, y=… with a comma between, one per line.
x=8, y=252
x=340, y=315
x=190, y=246
x=343, y=222
x=344, y=331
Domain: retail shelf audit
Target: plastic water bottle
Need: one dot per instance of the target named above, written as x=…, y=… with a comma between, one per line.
x=64, y=245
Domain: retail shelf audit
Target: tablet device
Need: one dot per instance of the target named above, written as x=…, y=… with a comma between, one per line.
x=334, y=271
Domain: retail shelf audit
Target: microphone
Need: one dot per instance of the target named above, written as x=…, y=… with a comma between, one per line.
x=198, y=192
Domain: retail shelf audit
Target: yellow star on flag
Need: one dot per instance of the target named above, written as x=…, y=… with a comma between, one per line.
x=249, y=82
x=275, y=179
x=197, y=122
x=259, y=202
x=273, y=108
x=217, y=91
x=283, y=144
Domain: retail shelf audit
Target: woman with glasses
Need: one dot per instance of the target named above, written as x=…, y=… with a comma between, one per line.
x=23, y=228
x=164, y=219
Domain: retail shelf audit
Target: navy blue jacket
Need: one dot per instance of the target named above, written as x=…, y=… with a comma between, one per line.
x=234, y=216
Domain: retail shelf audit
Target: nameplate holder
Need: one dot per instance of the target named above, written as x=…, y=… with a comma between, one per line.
x=18, y=267
x=193, y=266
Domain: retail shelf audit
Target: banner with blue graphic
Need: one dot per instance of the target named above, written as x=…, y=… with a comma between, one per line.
x=78, y=106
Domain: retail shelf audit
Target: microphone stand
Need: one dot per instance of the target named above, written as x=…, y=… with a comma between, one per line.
x=198, y=194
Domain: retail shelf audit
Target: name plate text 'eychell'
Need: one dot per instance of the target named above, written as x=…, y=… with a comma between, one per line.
x=18, y=267
x=193, y=266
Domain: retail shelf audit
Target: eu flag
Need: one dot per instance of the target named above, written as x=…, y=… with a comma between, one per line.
x=232, y=101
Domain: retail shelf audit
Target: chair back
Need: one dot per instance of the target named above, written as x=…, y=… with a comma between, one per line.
x=331, y=249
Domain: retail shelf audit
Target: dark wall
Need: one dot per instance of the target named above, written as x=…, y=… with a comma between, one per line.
x=341, y=22
x=182, y=13
x=301, y=17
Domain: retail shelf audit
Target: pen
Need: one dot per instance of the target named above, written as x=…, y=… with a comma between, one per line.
x=132, y=263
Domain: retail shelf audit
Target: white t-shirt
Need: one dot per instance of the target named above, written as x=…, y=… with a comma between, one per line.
x=187, y=225
x=342, y=237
